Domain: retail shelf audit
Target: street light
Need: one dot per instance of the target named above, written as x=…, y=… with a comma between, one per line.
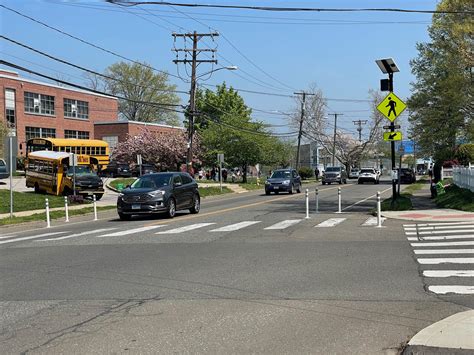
x=192, y=109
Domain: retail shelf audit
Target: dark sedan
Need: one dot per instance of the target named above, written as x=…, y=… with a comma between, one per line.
x=159, y=193
x=286, y=180
x=407, y=176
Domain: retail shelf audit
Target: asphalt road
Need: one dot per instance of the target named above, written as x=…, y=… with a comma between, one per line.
x=248, y=274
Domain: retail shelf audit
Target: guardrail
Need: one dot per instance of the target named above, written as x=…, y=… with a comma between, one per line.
x=464, y=177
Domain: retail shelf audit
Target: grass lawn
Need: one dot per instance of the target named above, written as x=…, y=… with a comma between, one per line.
x=457, y=198
x=212, y=191
x=52, y=215
x=25, y=201
x=402, y=203
x=124, y=182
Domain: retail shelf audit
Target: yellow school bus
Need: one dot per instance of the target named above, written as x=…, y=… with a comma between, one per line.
x=97, y=150
x=51, y=172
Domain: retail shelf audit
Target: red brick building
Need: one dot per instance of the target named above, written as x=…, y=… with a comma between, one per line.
x=116, y=132
x=36, y=109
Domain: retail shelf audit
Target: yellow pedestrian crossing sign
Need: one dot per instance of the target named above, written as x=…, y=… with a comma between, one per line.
x=392, y=136
x=391, y=107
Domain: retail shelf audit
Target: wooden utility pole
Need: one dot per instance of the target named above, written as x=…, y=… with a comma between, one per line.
x=359, y=124
x=334, y=138
x=300, y=133
x=194, y=61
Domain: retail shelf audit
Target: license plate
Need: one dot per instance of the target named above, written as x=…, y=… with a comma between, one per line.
x=136, y=207
x=276, y=187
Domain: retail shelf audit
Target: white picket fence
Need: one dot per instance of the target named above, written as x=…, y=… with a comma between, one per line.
x=464, y=177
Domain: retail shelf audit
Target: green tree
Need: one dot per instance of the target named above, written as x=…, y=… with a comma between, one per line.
x=225, y=126
x=140, y=85
x=441, y=105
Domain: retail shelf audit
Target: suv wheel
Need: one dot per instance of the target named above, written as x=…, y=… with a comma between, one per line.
x=125, y=217
x=171, y=208
x=291, y=189
x=196, y=205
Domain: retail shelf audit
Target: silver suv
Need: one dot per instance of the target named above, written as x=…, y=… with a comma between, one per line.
x=334, y=174
x=3, y=170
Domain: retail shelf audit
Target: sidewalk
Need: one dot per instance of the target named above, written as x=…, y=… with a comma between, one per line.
x=424, y=209
x=452, y=335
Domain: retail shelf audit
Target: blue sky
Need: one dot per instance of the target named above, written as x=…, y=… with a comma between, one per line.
x=334, y=50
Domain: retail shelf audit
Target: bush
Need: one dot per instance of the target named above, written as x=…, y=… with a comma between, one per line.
x=305, y=172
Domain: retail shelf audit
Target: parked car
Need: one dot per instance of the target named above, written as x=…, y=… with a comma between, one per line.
x=286, y=180
x=159, y=193
x=146, y=169
x=407, y=176
x=3, y=170
x=116, y=169
x=368, y=175
x=334, y=174
x=354, y=173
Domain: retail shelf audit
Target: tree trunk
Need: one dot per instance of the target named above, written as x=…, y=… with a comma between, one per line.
x=244, y=174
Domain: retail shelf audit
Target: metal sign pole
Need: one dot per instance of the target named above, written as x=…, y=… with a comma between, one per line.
x=10, y=143
x=74, y=173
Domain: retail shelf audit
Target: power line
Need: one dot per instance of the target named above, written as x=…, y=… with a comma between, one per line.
x=81, y=67
x=161, y=105
x=86, y=42
x=287, y=9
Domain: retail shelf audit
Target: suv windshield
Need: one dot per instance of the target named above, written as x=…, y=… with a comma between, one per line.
x=335, y=169
x=367, y=171
x=152, y=181
x=80, y=170
x=281, y=174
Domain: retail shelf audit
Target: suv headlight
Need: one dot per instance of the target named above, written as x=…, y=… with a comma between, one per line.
x=156, y=194
x=286, y=182
x=267, y=182
x=120, y=195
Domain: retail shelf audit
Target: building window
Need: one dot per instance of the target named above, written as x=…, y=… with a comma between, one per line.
x=76, y=134
x=10, y=107
x=76, y=109
x=39, y=103
x=34, y=132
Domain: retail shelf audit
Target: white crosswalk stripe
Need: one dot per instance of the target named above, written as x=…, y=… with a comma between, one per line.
x=444, y=251
x=434, y=261
x=77, y=235
x=283, y=224
x=458, y=289
x=130, y=231
x=331, y=222
x=236, y=226
x=449, y=244
x=443, y=237
x=372, y=221
x=442, y=244
x=186, y=228
x=470, y=230
x=31, y=237
x=448, y=273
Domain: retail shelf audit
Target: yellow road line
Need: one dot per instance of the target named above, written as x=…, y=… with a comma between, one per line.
x=250, y=205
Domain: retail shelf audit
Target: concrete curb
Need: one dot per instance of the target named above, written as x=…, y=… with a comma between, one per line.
x=452, y=335
x=438, y=215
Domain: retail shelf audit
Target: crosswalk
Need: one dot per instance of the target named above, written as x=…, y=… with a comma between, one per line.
x=444, y=253
x=163, y=229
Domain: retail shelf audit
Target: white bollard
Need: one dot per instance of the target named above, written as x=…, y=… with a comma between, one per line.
x=66, y=208
x=317, y=201
x=339, y=199
x=307, y=204
x=95, y=207
x=48, y=222
x=379, y=211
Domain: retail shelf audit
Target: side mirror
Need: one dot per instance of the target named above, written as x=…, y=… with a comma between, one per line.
x=128, y=186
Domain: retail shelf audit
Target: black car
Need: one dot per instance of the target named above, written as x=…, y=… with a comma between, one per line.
x=159, y=193
x=286, y=180
x=116, y=169
x=146, y=169
x=407, y=176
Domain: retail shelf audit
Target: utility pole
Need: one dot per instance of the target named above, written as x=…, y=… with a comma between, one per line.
x=300, y=133
x=359, y=124
x=195, y=51
x=334, y=139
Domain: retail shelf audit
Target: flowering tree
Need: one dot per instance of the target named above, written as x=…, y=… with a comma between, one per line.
x=164, y=150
